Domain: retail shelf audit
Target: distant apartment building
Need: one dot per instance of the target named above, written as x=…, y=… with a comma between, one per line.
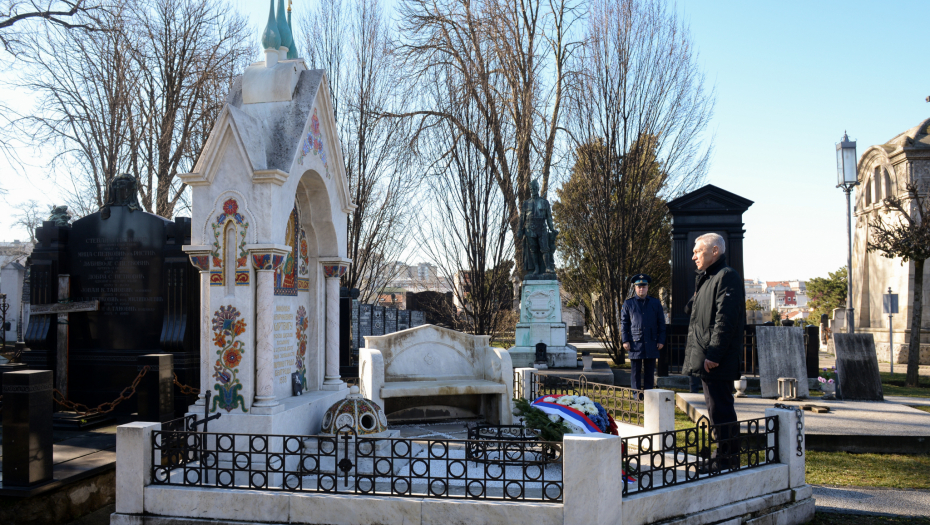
x=788, y=297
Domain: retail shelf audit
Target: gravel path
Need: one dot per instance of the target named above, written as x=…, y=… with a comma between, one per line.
x=868, y=500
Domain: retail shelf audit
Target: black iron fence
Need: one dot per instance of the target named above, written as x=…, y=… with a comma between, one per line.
x=624, y=404
x=664, y=459
x=515, y=467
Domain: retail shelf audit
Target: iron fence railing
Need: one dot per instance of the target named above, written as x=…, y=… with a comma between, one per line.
x=624, y=404
x=683, y=456
x=492, y=469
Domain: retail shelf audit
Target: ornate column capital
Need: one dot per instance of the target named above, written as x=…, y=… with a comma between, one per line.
x=199, y=256
x=267, y=257
x=335, y=267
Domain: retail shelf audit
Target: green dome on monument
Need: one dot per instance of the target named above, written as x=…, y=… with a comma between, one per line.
x=292, y=49
x=271, y=38
x=284, y=29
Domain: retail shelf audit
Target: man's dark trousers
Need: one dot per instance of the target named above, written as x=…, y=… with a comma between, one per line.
x=637, y=377
x=718, y=395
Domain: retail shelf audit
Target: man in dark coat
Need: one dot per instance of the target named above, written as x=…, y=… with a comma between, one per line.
x=642, y=326
x=715, y=338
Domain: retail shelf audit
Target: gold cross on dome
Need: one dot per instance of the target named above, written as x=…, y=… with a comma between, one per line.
x=289, y=3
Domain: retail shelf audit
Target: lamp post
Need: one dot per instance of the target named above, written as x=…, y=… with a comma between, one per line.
x=847, y=178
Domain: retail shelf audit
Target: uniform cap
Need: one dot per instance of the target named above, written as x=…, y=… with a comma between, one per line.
x=641, y=278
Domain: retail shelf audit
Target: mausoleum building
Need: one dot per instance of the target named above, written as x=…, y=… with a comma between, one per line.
x=884, y=170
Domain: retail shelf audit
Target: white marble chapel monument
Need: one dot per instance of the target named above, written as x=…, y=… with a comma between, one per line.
x=270, y=206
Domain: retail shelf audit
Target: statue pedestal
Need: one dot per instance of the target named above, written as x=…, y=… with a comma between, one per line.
x=541, y=322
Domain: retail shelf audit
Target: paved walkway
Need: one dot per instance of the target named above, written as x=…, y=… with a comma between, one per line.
x=869, y=500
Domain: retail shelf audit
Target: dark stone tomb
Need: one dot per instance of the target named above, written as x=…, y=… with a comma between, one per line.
x=417, y=318
x=364, y=323
x=377, y=320
x=142, y=292
x=27, y=428
x=403, y=320
x=355, y=333
x=390, y=320
x=857, y=377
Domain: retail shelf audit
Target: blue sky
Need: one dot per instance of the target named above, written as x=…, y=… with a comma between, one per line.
x=790, y=77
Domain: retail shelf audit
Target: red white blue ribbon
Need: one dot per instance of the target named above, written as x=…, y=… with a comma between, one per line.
x=569, y=414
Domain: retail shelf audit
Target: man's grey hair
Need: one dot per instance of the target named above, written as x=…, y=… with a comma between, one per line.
x=712, y=239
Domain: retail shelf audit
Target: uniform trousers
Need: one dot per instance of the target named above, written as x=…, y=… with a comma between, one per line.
x=641, y=379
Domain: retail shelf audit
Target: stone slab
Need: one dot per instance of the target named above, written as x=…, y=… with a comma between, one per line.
x=845, y=417
x=864, y=500
x=556, y=356
x=781, y=354
x=857, y=368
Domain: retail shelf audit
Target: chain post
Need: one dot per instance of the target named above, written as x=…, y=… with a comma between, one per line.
x=800, y=425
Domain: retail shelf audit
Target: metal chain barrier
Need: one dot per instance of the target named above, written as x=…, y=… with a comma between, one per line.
x=800, y=424
x=103, y=408
x=186, y=390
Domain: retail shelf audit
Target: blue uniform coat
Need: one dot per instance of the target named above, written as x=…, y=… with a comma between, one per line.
x=642, y=324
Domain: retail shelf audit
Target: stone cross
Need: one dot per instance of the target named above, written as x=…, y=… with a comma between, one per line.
x=62, y=309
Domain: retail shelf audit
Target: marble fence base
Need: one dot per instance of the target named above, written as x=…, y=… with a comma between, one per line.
x=556, y=356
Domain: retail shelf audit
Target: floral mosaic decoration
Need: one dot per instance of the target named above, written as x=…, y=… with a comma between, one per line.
x=313, y=143
x=227, y=327
x=303, y=322
x=230, y=213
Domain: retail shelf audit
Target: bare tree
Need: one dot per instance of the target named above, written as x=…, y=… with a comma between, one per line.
x=511, y=59
x=354, y=46
x=638, y=118
x=188, y=53
x=904, y=232
x=84, y=82
x=29, y=217
x=66, y=14
x=468, y=237
x=139, y=96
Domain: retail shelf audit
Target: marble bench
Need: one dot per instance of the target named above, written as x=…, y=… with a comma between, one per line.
x=433, y=370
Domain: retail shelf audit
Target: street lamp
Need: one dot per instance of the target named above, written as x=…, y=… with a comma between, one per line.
x=847, y=178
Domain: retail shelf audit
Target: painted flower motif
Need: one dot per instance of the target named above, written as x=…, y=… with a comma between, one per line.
x=219, y=339
x=221, y=375
x=230, y=207
x=232, y=358
x=239, y=327
x=224, y=318
x=217, y=262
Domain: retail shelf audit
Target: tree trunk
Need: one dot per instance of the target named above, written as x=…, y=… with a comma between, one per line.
x=913, y=351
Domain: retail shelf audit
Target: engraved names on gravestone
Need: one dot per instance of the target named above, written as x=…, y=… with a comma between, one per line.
x=417, y=318
x=131, y=263
x=285, y=350
x=403, y=320
x=364, y=323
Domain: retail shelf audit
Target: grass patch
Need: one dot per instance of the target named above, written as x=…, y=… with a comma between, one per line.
x=898, y=471
x=682, y=420
x=925, y=408
x=893, y=385
x=831, y=518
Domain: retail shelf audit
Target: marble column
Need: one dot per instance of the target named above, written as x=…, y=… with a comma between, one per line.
x=201, y=261
x=265, y=263
x=333, y=272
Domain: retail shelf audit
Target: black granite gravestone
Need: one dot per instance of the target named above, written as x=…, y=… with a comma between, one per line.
x=377, y=320
x=708, y=209
x=857, y=377
x=403, y=320
x=133, y=264
x=390, y=320
x=27, y=428
x=364, y=323
x=355, y=334
x=155, y=394
x=417, y=318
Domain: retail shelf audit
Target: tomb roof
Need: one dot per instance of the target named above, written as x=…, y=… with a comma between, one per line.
x=916, y=137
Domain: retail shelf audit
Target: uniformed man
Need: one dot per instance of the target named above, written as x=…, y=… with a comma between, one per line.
x=642, y=327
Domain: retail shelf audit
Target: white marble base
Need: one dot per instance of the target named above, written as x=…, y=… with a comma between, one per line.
x=557, y=356
x=339, y=385
x=298, y=415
